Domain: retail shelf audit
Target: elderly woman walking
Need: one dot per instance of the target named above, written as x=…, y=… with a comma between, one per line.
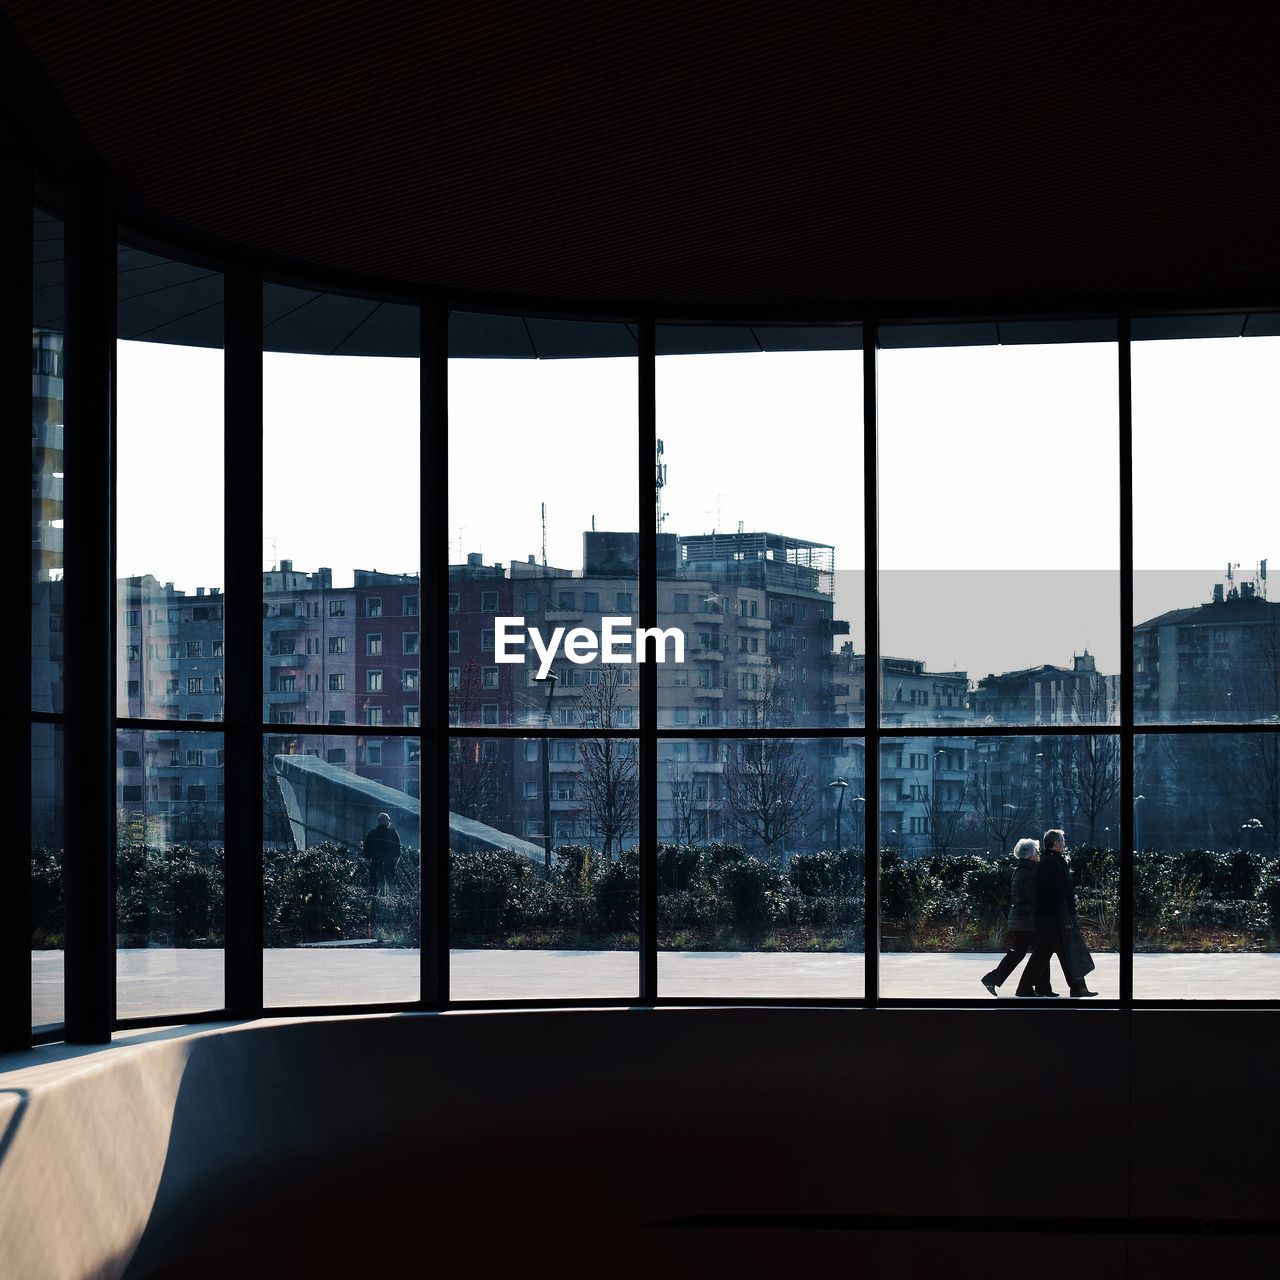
x=1022, y=920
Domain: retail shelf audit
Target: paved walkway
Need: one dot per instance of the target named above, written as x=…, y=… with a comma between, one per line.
x=162, y=980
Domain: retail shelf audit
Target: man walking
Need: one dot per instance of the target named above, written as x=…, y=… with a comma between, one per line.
x=382, y=848
x=1055, y=915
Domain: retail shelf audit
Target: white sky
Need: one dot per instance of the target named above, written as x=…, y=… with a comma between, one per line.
x=998, y=473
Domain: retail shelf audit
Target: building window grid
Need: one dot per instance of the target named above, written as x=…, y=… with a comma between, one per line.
x=873, y=731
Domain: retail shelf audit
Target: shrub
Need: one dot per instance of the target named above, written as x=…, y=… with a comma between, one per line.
x=828, y=874
x=315, y=895
x=48, y=910
x=615, y=894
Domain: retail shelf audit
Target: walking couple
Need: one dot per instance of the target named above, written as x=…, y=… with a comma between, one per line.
x=1042, y=920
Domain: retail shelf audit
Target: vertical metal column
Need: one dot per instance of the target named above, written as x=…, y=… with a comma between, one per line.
x=242, y=635
x=433, y=608
x=89, y=606
x=648, y=572
x=1125, y=392
x=871, y=665
x=15, y=545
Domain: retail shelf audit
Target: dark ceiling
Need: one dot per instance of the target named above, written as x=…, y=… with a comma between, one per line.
x=699, y=154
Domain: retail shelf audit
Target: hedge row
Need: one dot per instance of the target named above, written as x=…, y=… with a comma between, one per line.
x=710, y=895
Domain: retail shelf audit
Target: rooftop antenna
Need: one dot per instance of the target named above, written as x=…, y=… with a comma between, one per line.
x=544, y=535
x=275, y=553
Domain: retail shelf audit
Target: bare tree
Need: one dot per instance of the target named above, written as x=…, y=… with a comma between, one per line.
x=609, y=784
x=1002, y=800
x=946, y=814
x=1085, y=767
x=473, y=769
x=688, y=822
x=768, y=784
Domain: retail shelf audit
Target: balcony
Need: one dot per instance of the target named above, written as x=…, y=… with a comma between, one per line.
x=707, y=766
x=564, y=615
x=706, y=655
x=284, y=697
x=278, y=660
x=713, y=692
x=754, y=624
x=708, y=619
x=834, y=627
x=47, y=438
x=284, y=623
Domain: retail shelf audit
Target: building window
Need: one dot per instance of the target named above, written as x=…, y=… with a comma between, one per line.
x=412, y=751
x=412, y=717
x=373, y=607
x=217, y=648
x=337, y=681
x=454, y=676
x=565, y=600
x=454, y=602
x=409, y=606
x=337, y=644
x=193, y=649
x=336, y=755
x=489, y=678
x=373, y=753
x=411, y=642
x=409, y=679
x=337, y=717
x=373, y=715
x=131, y=794
x=531, y=602
x=489, y=713
x=530, y=790
x=131, y=759
x=486, y=641
x=454, y=646
x=373, y=646
x=591, y=601
x=337, y=608
x=374, y=682
x=488, y=602
x=624, y=601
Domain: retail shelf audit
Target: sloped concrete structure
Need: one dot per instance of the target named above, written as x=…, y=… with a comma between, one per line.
x=328, y=803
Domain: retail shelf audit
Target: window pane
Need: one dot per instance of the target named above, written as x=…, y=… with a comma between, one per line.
x=533, y=916
x=340, y=510
x=542, y=503
x=169, y=500
x=1206, y=876
x=759, y=510
x=48, y=916
x=952, y=812
x=999, y=523
x=760, y=867
x=340, y=886
x=47, y=426
x=1206, y=638
x=169, y=872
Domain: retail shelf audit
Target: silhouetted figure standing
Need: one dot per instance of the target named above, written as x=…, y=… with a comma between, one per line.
x=382, y=848
x=1022, y=919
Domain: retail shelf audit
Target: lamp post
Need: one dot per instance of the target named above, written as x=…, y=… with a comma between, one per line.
x=550, y=682
x=842, y=786
x=1137, y=823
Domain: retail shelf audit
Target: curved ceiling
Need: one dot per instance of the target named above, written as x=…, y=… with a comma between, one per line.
x=794, y=155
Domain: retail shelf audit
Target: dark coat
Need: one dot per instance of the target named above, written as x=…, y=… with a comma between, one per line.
x=1055, y=893
x=382, y=848
x=1022, y=909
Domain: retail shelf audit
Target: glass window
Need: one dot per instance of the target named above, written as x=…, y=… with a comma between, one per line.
x=1206, y=642
x=48, y=918
x=1206, y=874
x=330, y=361
x=760, y=880
x=525, y=923
x=743, y=516
x=169, y=872
x=952, y=813
x=550, y=399
x=334, y=874
x=1035, y=524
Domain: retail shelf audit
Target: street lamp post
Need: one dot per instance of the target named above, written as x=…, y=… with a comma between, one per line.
x=1137, y=824
x=842, y=786
x=550, y=682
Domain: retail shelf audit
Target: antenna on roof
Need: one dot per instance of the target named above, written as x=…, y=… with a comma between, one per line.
x=544, y=535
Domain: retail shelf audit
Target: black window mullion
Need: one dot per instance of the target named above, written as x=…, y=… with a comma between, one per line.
x=871, y=666
x=433, y=606
x=88, y=609
x=242, y=630
x=15, y=395
x=648, y=573
x=1125, y=396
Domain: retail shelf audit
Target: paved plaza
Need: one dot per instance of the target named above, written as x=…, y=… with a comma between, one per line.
x=163, y=980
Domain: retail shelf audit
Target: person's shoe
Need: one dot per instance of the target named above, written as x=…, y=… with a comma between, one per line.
x=1027, y=995
x=989, y=983
x=1048, y=995
x=1079, y=992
